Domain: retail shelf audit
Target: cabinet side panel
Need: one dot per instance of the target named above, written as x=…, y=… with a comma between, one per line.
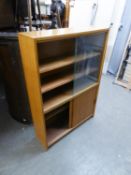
x=28, y=49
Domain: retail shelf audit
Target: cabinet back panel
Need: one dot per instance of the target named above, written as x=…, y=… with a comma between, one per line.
x=56, y=48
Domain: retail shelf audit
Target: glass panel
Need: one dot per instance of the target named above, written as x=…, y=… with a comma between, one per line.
x=88, y=52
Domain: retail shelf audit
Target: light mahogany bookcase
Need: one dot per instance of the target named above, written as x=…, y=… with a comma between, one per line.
x=62, y=70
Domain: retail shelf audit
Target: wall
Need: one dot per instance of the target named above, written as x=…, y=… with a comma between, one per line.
x=104, y=13
x=82, y=12
x=107, y=12
x=116, y=20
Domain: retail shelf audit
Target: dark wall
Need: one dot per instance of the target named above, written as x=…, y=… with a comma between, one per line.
x=6, y=14
x=13, y=11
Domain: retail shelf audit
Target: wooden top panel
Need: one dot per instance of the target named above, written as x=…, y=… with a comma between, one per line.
x=52, y=34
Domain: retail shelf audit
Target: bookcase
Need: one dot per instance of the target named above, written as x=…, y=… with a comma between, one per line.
x=62, y=69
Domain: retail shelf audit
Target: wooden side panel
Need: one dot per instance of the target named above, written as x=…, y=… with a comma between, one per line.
x=83, y=106
x=30, y=65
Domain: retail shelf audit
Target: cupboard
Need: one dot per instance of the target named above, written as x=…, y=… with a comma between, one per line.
x=62, y=69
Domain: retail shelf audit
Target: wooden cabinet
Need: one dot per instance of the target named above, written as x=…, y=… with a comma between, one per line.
x=62, y=70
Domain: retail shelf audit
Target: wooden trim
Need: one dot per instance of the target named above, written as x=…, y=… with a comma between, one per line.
x=31, y=73
x=59, y=34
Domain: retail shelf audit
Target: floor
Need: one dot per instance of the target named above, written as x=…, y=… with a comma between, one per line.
x=101, y=146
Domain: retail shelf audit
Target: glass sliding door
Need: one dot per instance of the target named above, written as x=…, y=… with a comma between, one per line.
x=88, y=51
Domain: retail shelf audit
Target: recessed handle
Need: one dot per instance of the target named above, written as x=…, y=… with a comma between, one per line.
x=121, y=27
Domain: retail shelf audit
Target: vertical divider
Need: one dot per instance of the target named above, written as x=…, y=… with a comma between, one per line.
x=70, y=113
x=28, y=47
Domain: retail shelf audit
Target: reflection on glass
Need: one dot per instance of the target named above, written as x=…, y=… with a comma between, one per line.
x=87, y=60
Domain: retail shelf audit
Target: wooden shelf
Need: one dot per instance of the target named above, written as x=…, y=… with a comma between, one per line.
x=55, y=101
x=55, y=112
x=61, y=80
x=58, y=63
x=65, y=61
x=61, y=98
x=53, y=134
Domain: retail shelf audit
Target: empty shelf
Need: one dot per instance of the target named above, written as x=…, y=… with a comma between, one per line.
x=61, y=80
x=55, y=112
x=65, y=61
x=56, y=100
x=53, y=134
x=56, y=64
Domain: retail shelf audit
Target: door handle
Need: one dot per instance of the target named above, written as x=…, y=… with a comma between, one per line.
x=111, y=24
x=94, y=12
x=121, y=27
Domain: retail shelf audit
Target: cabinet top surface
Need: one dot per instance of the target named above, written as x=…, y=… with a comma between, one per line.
x=45, y=35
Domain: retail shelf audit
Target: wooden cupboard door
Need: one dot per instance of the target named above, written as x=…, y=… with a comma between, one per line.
x=83, y=106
